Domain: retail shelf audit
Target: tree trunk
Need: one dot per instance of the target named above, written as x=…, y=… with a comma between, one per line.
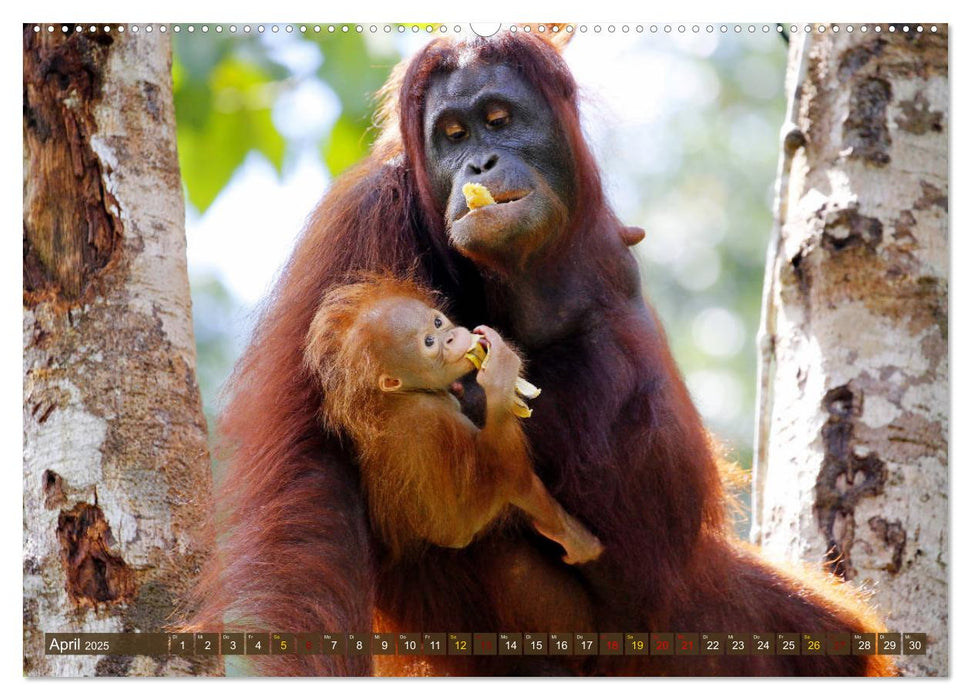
x=852, y=443
x=116, y=466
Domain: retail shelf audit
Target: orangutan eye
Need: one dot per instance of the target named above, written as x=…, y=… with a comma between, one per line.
x=429, y=341
x=454, y=131
x=497, y=117
x=438, y=322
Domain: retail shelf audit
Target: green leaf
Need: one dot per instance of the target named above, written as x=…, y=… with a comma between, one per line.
x=231, y=118
x=351, y=71
x=355, y=76
x=346, y=145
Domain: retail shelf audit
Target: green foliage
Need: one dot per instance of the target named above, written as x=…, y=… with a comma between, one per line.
x=348, y=143
x=224, y=89
x=351, y=70
x=239, y=121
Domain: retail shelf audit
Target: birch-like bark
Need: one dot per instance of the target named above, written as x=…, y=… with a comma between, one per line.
x=852, y=443
x=116, y=466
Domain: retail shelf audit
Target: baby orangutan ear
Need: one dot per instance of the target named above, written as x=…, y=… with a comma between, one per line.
x=388, y=383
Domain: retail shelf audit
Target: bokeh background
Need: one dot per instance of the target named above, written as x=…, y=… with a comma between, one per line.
x=685, y=125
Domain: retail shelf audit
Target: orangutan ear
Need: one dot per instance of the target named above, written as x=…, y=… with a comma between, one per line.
x=389, y=383
x=631, y=235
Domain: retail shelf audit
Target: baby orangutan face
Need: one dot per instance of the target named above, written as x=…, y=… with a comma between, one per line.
x=417, y=346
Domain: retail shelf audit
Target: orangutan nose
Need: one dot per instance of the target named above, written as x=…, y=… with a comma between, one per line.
x=477, y=166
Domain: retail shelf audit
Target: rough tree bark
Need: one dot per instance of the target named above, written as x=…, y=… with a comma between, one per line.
x=116, y=467
x=852, y=444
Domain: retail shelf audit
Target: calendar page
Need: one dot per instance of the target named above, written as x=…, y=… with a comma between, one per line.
x=510, y=349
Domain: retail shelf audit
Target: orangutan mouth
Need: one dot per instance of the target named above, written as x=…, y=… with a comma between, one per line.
x=506, y=197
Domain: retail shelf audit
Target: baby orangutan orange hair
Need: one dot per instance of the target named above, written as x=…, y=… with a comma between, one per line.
x=387, y=360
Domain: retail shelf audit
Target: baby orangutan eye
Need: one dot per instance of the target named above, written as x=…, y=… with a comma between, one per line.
x=438, y=322
x=429, y=341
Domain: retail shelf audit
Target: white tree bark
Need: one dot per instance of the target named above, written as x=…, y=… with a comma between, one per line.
x=852, y=444
x=116, y=466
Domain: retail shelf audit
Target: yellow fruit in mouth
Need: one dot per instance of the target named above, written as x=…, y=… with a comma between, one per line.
x=477, y=196
x=477, y=352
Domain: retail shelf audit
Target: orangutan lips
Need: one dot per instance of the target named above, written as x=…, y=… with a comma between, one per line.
x=478, y=196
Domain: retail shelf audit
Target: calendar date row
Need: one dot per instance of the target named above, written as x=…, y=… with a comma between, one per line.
x=490, y=643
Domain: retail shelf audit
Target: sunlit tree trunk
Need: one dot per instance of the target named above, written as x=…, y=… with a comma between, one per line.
x=852, y=444
x=116, y=468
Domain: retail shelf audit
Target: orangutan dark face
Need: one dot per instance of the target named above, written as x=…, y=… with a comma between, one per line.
x=485, y=124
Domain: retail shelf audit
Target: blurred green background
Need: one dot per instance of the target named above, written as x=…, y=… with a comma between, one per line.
x=685, y=126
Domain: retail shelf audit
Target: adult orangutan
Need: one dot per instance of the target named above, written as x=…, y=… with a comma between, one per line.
x=614, y=435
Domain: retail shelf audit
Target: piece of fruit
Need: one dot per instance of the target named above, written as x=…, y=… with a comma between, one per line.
x=477, y=352
x=527, y=390
x=520, y=408
x=477, y=196
x=478, y=355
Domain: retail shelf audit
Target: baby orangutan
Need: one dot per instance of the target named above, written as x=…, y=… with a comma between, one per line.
x=387, y=362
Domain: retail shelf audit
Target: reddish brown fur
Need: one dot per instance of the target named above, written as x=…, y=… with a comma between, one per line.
x=430, y=476
x=345, y=362
x=427, y=475
x=614, y=434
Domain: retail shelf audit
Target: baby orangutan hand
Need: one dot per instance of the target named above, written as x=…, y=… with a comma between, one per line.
x=498, y=373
